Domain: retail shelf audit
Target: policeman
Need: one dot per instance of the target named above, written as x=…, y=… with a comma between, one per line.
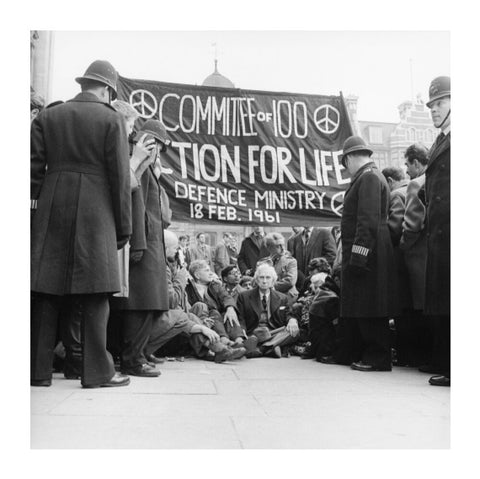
x=437, y=196
x=367, y=292
x=80, y=188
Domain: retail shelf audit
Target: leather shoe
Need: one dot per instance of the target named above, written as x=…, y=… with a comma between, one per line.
x=326, y=360
x=238, y=352
x=153, y=359
x=256, y=353
x=144, y=371
x=439, y=381
x=41, y=382
x=361, y=366
x=274, y=352
x=250, y=344
x=117, y=381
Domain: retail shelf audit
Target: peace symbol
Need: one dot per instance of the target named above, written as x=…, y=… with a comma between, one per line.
x=144, y=102
x=337, y=203
x=327, y=119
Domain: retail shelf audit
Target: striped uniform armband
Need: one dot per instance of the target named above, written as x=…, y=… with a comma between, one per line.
x=360, y=250
x=33, y=204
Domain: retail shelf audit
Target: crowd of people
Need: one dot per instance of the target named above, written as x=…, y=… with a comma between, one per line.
x=115, y=292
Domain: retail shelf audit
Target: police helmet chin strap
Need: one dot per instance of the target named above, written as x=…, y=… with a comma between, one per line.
x=445, y=119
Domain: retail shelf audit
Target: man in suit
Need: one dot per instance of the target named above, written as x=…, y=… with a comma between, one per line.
x=285, y=266
x=80, y=186
x=404, y=337
x=148, y=292
x=368, y=274
x=251, y=250
x=221, y=257
x=413, y=243
x=264, y=308
x=437, y=196
x=201, y=251
x=312, y=243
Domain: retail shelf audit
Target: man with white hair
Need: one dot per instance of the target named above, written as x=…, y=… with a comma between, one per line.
x=262, y=310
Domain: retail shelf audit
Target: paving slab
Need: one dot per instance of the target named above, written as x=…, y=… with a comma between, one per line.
x=254, y=404
x=94, y=432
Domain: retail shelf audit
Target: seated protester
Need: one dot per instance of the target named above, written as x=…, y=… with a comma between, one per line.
x=246, y=282
x=175, y=322
x=231, y=280
x=324, y=313
x=220, y=312
x=301, y=310
x=284, y=263
x=315, y=266
x=264, y=314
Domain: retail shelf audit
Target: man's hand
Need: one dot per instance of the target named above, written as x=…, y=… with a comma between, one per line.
x=143, y=155
x=136, y=255
x=231, y=316
x=292, y=327
x=209, y=322
x=210, y=334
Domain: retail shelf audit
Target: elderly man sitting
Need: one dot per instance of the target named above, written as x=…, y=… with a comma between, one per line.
x=263, y=312
x=285, y=266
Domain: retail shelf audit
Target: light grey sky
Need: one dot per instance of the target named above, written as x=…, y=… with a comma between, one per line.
x=373, y=65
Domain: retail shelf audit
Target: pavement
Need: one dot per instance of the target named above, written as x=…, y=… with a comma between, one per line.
x=261, y=403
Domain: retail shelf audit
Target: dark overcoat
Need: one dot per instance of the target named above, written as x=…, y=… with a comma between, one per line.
x=80, y=182
x=414, y=241
x=395, y=221
x=368, y=273
x=250, y=253
x=148, y=285
x=437, y=195
x=250, y=309
x=320, y=244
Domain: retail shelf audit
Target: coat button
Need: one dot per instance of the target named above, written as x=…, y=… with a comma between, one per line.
x=438, y=198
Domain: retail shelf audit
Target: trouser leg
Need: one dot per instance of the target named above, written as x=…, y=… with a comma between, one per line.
x=377, y=345
x=348, y=344
x=114, y=334
x=441, y=344
x=97, y=362
x=322, y=336
x=159, y=337
x=70, y=327
x=45, y=309
x=137, y=327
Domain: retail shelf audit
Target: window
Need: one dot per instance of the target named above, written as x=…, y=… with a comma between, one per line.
x=410, y=134
x=428, y=136
x=375, y=135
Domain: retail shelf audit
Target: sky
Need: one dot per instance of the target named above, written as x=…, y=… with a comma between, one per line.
x=382, y=68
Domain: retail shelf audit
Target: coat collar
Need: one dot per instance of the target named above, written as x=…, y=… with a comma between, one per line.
x=86, y=96
x=356, y=176
x=441, y=144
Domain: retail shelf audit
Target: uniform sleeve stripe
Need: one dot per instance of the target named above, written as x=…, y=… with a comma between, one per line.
x=33, y=204
x=360, y=250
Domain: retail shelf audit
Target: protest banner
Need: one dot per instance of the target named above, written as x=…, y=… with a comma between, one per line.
x=245, y=156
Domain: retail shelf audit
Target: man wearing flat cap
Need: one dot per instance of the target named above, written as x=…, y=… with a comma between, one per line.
x=437, y=196
x=367, y=295
x=80, y=187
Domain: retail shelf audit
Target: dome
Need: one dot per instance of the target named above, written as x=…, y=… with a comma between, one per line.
x=218, y=80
